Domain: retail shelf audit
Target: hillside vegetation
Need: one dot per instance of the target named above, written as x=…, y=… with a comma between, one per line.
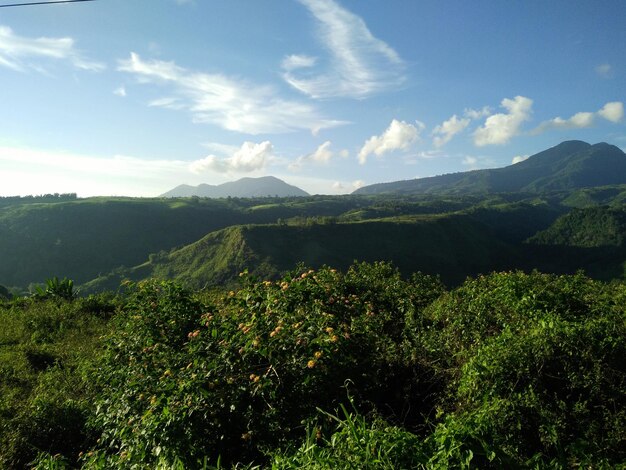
x=320, y=369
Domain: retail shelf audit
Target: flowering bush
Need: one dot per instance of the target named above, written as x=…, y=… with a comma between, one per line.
x=239, y=373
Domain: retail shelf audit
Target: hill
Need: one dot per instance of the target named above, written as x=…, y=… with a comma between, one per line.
x=244, y=187
x=452, y=246
x=590, y=227
x=567, y=166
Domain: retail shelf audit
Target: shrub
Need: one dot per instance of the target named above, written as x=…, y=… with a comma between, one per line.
x=182, y=380
x=535, y=370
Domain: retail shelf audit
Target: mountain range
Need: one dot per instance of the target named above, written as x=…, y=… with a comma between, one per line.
x=570, y=165
x=244, y=187
x=547, y=212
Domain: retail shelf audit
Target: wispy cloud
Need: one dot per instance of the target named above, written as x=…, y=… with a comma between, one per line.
x=359, y=64
x=120, y=91
x=250, y=157
x=21, y=53
x=398, y=136
x=613, y=112
x=519, y=159
x=499, y=128
x=223, y=101
x=605, y=70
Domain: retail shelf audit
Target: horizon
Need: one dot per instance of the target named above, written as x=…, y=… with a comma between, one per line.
x=110, y=98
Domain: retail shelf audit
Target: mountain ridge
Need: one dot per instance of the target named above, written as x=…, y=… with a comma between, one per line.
x=244, y=187
x=569, y=165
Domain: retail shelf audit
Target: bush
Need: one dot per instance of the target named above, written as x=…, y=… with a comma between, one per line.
x=185, y=380
x=535, y=370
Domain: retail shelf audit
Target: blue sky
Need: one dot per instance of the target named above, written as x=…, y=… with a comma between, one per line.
x=134, y=97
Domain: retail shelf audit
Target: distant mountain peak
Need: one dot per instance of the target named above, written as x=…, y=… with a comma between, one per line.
x=569, y=165
x=264, y=186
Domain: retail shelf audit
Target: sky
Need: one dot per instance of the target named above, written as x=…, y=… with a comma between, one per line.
x=135, y=97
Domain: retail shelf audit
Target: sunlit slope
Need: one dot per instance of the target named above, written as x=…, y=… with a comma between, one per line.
x=84, y=238
x=452, y=246
x=590, y=227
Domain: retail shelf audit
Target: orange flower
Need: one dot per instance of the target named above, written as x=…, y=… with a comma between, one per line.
x=311, y=364
x=318, y=354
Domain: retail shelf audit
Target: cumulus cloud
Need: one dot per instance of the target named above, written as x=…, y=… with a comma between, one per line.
x=444, y=132
x=321, y=155
x=248, y=158
x=223, y=101
x=519, y=158
x=613, y=111
x=398, y=136
x=477, y=113
x=499, y=128
x=359, y=63
x=19, y=52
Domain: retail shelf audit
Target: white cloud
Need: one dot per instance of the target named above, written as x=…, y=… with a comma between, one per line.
x=577, y=121
x=477, y=113
x=36, y=171
x=18, y=52
x=360, y=64
x=519, y=159
x=358, y=184
x=605, y=70
x=225, y=102
x=120, y=91
x=293, y=62
x=470, y=161
x=500, y=128
x=250, y=157
x=398, y=136
x=321, y=155
x=444, y=132
x=613, y=111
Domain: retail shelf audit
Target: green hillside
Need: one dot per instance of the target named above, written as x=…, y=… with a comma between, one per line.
x=451, y=246
x=83, y=238
x=591, y=227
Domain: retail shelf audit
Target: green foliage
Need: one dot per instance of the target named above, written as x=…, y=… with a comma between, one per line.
x=56, y=289
x=45, y=397
x=355, y=443
x=182, y=380
x=535, y=371
x=591, y=227
x=509, y=370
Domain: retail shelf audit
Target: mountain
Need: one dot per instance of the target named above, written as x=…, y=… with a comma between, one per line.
x=244, y=187
x=567, y=166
